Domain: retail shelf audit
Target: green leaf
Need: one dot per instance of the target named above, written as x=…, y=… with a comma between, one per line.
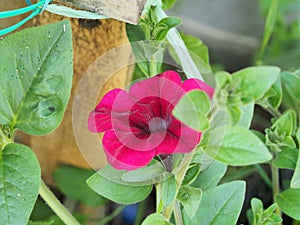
x=260, y=135
x=19, y=183
x=291, y=91
x=149, y=3
x=289, y=202
x=36, y=77
x=246, y=115
x=269, y=25
x=271, y=216
x=134, y=33
x=199, y=54
x=170, y=21
x=192, y=110
x=257, y=209
x=169, y=188
x=190, y=198
x=71, y=181
x=147, y=175
x=273, y=96
x=286, y=124
x=219, y=205
x=295, y=182
x=191, y=174
x=254, y=82
x=286, y=158
x=163, y=27
x=238, y=147
x=211, y=176
x=222, y=78
x=117, y=192
x=235, y=114
x=41, y=211
x=264, y=217
x=196, y=46
x=280, y=134
x=156, y=219
x=168, y=4
x=117, y=176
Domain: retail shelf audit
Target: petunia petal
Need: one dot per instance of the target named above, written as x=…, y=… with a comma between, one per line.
x=188, y=138
x=165, y=86
x=108, y=99
x=145, y=88
x=121, y=157
x=143, y=111
x=100, y=119
x=168, y=145
x=191, y=84
x=171, y=75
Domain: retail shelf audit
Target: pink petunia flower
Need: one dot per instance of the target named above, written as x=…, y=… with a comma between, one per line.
x=139, y=125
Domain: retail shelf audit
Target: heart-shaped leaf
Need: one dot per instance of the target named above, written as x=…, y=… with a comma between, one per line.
x=36, y=77
x=19, y=183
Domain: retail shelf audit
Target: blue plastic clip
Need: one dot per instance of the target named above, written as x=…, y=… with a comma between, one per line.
x=37, y=8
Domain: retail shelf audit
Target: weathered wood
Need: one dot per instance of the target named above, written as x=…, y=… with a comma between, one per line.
x=124, y=10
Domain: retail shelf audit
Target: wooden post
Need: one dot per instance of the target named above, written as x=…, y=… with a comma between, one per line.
x=124, y=10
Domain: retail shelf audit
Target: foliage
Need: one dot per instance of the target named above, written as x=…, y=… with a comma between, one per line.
x=283, y=48
x=263, y=217
x=35, y=80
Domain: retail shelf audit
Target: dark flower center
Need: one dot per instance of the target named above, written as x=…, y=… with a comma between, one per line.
x=151, y=115
x=157, y=124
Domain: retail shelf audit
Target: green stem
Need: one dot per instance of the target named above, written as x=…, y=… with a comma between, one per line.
x=56, y=206
x=179, y=178
x=276, y=188
x=274, y=112
x=111, y=216
x=177, y=214
x=159, y=204
x=264, y=175
x=153, y=69
x=141, y=212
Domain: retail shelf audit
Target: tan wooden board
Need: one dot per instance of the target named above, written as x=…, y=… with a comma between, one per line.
x=124, y=10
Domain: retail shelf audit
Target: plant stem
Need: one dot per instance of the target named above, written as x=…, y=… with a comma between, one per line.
x=179, y=178
x=111, y=216
x=153, y=70
x=56, y=206
x=159, y=205
x=274, y=112
x=177, y=214
x=264, y=175
x=141, y=212
x=276, y=188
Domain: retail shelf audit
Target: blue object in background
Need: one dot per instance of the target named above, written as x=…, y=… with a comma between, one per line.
x=129, y=214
